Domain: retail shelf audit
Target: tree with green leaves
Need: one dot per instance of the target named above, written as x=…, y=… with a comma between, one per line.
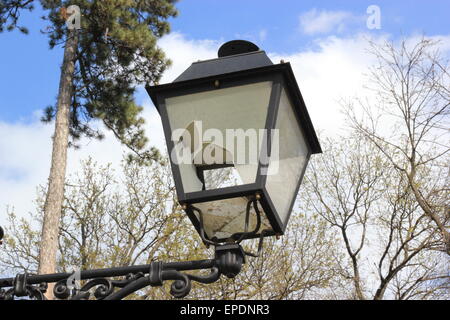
x=111, y=52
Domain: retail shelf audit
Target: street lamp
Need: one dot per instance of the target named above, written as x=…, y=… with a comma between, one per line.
x=243, y=116
x=239, y=139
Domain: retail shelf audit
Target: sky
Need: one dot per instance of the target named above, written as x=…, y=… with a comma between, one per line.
x=325, y=41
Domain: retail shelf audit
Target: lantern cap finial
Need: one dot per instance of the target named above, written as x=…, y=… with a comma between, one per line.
x=234, y=47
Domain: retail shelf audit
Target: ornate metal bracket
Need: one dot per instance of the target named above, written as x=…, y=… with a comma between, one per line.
x=228, y=261
x=238, y=237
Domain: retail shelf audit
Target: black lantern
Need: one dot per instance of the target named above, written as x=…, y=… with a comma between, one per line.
x=239, y=139
x=243, y=117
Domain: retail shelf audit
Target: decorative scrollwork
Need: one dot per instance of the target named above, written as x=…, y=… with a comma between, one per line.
x=20, y=288
x=66, y=289
x=61, y=290
x=37, y=292
x=104, y=289
x=182, y=284
x=125, y=280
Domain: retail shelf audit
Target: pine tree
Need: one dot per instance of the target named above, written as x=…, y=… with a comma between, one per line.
x=114, y=51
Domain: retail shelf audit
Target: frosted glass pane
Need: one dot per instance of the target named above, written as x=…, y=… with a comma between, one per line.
x=243, y=107
x=285, y=169
x=223, y=218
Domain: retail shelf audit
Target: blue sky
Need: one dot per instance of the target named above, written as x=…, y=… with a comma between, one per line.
x=212, y=19
x=29, y=70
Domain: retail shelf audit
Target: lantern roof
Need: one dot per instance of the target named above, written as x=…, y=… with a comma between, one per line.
x=226, y=64
x=239, y=58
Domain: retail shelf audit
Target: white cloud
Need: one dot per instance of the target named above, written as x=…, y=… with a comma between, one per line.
x=24, y=163
x=258, y=36
x=183, y=52
x=25, y=154
x=262, y=35
x=315, y=22
x=333, y=70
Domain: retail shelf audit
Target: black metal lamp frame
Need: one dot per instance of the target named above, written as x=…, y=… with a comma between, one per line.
x=282, y=77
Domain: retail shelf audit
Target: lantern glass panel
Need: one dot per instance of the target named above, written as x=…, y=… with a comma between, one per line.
x=288, y=159
x=223, y=218
x=200, y=123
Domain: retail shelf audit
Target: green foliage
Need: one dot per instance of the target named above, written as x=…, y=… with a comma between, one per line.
x=117, y=51
x=10, y=13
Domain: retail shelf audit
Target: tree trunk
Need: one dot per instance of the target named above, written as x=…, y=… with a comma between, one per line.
x=379, y=294
x=55, y=193
x=357, y=281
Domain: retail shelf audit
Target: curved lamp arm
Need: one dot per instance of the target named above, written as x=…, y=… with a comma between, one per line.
x=228, y=261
